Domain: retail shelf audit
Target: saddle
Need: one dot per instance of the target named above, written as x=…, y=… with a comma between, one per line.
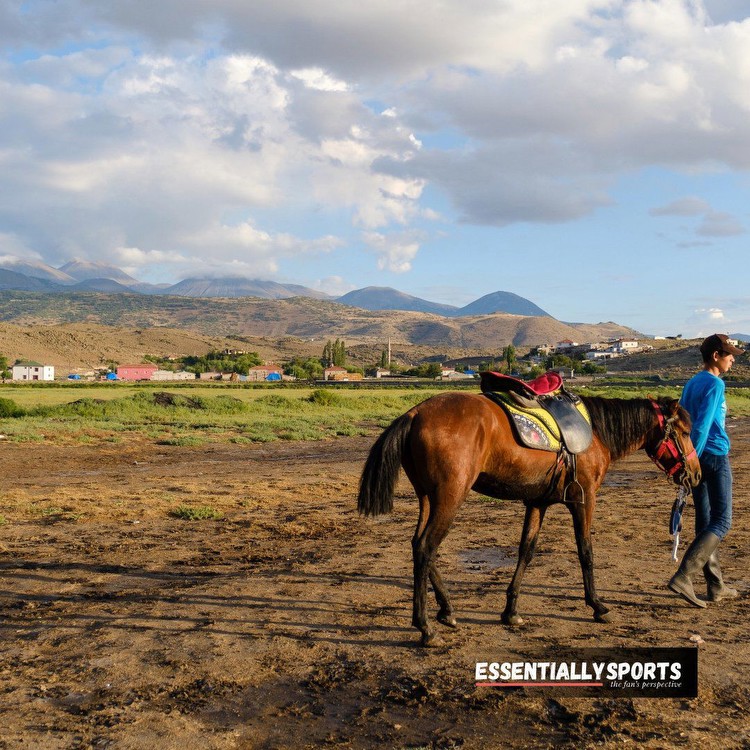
x=543, y=385
x=544, y=415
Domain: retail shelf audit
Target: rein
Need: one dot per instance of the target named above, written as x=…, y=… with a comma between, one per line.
x=668, y=454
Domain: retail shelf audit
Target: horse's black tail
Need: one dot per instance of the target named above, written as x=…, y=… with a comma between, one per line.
x=379, y=477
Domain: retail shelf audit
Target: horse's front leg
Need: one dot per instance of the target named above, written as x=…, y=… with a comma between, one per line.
x=582, y=511
x=531, y=525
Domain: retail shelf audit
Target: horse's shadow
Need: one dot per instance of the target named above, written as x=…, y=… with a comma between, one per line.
x=173, y=602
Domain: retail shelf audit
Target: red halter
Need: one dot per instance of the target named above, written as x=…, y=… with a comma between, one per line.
x=668, y=454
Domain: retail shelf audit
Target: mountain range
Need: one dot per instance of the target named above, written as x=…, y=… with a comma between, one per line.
x=87, y=276
x=82, y=276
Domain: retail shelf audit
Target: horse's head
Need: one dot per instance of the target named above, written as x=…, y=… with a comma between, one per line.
x=672, y=450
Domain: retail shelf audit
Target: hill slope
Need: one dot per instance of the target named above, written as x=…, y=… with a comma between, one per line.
x=22, y=282
x=239, y=287
x=501, y=302
x=301, y=317
x=386, y=298
x=83, y=270
x=35, y=269
x=89, y=345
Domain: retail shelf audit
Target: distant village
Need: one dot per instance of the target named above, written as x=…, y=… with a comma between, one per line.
x=566, y=354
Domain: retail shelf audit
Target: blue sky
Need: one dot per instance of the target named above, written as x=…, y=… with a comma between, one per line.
x=591, y=155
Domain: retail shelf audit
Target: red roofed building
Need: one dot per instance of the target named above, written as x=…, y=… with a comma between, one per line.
x=136, y=372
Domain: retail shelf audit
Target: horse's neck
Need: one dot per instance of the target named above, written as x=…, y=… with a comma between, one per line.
x=646, y=416
x=622, y=425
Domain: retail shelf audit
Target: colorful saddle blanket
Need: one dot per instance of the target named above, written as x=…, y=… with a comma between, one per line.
x=549, y=422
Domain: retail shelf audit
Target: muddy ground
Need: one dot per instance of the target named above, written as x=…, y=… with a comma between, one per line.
x=286, y=622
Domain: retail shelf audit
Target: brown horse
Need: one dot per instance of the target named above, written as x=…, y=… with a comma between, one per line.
x=456, y=442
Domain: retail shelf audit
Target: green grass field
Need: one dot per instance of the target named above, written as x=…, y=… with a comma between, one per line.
x=200, y=414
x=86, y=413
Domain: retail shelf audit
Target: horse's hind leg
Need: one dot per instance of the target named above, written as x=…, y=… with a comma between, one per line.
x=431, y=530
x=445, y=613
x=582, y=513
x=531, y=525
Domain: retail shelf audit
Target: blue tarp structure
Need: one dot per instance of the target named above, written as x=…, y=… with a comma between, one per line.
x=74, y=376
x=273, y=376
x=111, y=376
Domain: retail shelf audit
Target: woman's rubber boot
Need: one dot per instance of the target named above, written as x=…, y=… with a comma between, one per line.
x=695, y=558
x=715, y=586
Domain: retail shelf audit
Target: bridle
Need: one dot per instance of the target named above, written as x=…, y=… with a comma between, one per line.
x=668, y=453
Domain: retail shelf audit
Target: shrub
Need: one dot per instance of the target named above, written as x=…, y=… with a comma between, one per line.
x=164, y=398
x=195, y=513
x=184, y=441
x=275, y=400
x=9, y=408
x=325, y=397
x=228, y=405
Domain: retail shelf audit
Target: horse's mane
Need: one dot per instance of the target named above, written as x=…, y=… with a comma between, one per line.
x=622, y=423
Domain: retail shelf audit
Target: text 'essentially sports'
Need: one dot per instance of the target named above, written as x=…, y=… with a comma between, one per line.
x=635, y=672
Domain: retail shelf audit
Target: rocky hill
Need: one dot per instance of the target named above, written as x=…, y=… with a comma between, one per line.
x=86, y=329
x=385, y=298
x=237, y=287
x=301, y=317
x=88, y=345
x=84, y=270
x=82, y=275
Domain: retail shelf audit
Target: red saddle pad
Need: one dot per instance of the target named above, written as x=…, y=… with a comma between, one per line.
x=548, y=383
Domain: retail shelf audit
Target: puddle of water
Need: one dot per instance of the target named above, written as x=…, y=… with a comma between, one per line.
x=621, y=479
x=487, y=558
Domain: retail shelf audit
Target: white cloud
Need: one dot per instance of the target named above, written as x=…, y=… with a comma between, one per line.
x=690, y=206
x=719, y=224
x=395, y=252
x=712, y=224
x=319, y=80
x=193, y=128
x=134, y=257
x=335, y=286
x=179, y=146
x=705, y=321
x=12, y=250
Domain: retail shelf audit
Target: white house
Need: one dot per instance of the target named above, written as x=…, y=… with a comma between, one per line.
x=599, y=354
x=169, y=375
x=565, y=345
x=27, y=370
x=623, y=346
x=454, y=375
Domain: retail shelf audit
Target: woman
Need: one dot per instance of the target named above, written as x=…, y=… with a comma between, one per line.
x=703, y=397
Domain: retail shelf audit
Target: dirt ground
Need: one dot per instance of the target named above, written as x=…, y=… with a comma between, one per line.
x=286, y=622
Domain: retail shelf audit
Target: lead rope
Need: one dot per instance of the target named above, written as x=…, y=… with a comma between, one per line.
x=675, y=519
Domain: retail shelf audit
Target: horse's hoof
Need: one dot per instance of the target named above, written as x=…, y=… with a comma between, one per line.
x=512, y=620
x=430, y=640
x=447, y=620
x=604, y=616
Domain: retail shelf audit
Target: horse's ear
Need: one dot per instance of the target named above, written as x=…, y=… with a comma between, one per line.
x=675, y=410
x=678, y=413
x=672, y=404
